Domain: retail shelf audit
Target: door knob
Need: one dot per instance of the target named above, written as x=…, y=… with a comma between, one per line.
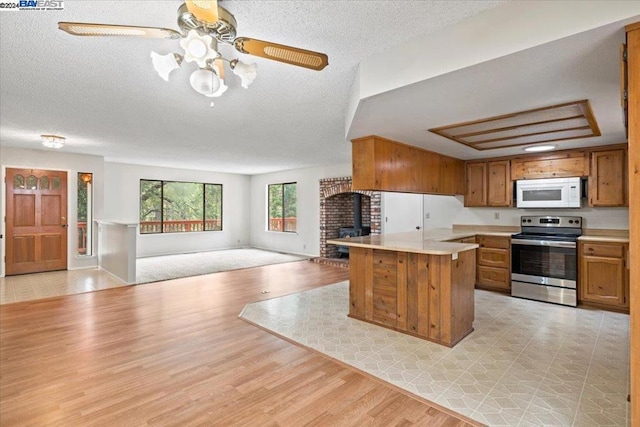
x=418, y=227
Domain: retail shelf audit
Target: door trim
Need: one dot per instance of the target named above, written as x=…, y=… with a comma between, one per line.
x=71, y=221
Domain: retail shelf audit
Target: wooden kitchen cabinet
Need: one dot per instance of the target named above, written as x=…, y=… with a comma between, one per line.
x=493, y=262
x=426, y=295
x=451, y=176
x=607, y=180
x=380, y=164
x=558, y=165
x=488, y=184
x=499, y=186
x=476, y=184
x=604, y=274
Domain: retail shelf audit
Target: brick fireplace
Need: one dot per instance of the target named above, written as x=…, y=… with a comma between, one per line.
x=336, y=211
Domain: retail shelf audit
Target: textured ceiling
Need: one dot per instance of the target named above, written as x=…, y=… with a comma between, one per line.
x=105, y=97
x=582, y=66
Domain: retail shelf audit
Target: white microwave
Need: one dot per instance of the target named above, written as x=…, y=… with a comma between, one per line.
x=548, y=193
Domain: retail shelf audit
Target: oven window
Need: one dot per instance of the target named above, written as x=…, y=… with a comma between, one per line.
x=544, y=261
x=541, y=195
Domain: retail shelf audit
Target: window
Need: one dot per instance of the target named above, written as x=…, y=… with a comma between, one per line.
x=178, y=207
x=282, y=207
x=85, y=215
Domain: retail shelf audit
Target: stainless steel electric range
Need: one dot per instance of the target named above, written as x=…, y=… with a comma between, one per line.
x=544, y=259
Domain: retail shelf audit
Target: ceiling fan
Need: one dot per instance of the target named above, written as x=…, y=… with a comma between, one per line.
x=203, y=25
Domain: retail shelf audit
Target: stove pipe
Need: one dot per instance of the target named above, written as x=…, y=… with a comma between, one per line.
x=357, y=211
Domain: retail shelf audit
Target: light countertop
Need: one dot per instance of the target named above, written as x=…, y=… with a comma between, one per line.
x=431, y=242
x=437, y=241
x=614, y=239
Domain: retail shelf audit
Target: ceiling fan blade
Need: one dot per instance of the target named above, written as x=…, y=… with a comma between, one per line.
x=204, y=10
x=83, y=29
x=282, y=53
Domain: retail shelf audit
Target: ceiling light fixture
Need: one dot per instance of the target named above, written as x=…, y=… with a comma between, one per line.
x=53, y=141
x=165, y=64
x=203, y=24
x=538, y=148
x=208, y=79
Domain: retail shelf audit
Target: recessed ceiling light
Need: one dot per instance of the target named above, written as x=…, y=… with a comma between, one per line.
x=537, y=148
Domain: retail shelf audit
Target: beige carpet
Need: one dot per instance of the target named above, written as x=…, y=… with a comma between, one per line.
x=154, y=269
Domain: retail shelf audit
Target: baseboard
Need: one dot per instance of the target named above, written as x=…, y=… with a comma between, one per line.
x=283, y=252
x=194, y=251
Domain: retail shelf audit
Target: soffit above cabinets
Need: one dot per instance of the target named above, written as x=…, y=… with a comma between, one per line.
x=555, y=123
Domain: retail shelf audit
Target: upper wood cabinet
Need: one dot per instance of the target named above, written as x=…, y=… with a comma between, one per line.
x=566, y=164
x=499, y=186
x=384, y=165
x=476, y=180
x=607, y=180
x=488, y=184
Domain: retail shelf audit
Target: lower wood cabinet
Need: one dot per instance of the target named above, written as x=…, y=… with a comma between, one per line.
x=604, y=274
x=494, y=263
x=429, y=296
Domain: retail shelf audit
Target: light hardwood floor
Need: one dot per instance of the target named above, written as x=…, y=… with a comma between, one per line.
x=175, y=353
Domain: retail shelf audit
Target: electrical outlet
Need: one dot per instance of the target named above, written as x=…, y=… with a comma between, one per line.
x=427, y=215
x=304, y=246
x=496, y=215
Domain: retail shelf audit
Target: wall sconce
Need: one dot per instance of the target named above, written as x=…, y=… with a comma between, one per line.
x=86, y=177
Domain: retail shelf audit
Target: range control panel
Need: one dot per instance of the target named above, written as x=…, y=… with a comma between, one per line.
x=551, y=221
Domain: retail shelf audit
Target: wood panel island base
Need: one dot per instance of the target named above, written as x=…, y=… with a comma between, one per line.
x=428, y=295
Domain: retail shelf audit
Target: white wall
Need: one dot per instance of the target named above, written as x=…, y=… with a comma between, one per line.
x=442, y=211
x=72, y=163
x=445, y=211
x=116, y=244
x=122, y=204
x=306, y=240
x=611, y=218
x=448, y=210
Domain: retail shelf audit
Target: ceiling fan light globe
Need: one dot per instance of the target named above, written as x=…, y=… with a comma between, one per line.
x=222, y=89
x=198, y=48
x=204, y=82
x=164, y=64
x=246, y=72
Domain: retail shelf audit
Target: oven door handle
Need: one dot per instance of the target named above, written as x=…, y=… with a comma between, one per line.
x=551, y=243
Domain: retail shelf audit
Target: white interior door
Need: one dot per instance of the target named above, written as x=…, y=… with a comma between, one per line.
x=402, y=212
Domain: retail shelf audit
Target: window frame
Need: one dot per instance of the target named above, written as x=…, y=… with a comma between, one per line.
x=162, y=214
x=282, y=185
x=88, y=231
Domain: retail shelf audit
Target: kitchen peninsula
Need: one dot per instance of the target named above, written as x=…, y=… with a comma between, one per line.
x=413, y=283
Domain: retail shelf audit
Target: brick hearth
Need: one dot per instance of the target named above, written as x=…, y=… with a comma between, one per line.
x=336, y=210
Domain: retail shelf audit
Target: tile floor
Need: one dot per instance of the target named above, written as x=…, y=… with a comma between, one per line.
x=44, y=285
x=526, y=364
